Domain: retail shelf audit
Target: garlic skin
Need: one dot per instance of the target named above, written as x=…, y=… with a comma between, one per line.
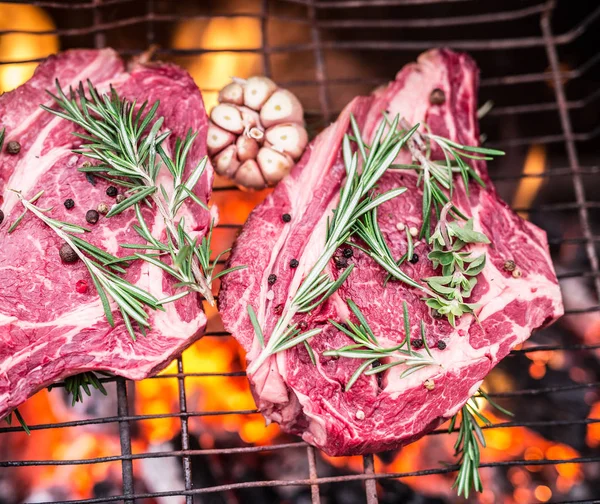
x=256, y=133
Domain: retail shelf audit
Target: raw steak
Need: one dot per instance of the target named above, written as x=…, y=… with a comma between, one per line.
x=48, y=330
x=380, y=415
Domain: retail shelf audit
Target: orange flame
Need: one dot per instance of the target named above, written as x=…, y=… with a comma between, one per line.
x=530, y=184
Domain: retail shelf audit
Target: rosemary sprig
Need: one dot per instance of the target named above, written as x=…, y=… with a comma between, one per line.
x=437, y=177
x=2, y=131
x=355, y=201
x=129, y=146
x=129, y=299
x=367, y=348
x=467, y=446
x=79, y=384
x=20, y=419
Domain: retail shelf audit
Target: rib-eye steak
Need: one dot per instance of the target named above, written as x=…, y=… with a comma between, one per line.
x=51, y=326
x=381, y=412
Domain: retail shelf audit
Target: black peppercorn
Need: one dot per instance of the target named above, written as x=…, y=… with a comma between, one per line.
x=1, y=216
x=272, y=278
x=436, y=314
x=348, y=253
x=418, y=343
x=441, y=345
x=69, y=203
x=340, y=262
x=92, y=216
x=13, y=147
x=112, y=191
x=437, y=97
x=414, y=259
x=294, y=263
x=286, y=217
x=67, y=254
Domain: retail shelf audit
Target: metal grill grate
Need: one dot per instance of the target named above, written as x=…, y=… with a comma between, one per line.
x=322, y=17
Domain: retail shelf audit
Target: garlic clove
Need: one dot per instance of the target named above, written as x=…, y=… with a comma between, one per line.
x=250, y=118
x=226, y=162
x=247, y=148
x=273, y=165
x=217, y=139
x=228, y=117
x=257, y=134
x=282, y=106
x=257, y=91
x=232, y=93
x=289, y=138
x=248, y=175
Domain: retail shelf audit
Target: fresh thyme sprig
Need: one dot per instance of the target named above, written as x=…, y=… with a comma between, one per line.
x=467, y=446
x=367, y=348
x=129, y=299
x=459, y=269
x=437, y=177
x=355, y=201
x=129, y=145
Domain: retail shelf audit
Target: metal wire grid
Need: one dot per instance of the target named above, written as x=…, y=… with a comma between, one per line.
x=574, y=172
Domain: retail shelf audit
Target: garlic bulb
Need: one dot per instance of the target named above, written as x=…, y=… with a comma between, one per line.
x=256, y=133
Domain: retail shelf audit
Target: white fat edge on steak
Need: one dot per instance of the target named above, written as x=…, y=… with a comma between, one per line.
x=323, y=153
x=269, y=381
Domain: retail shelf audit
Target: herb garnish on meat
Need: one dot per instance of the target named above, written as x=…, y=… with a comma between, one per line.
x=129, y=146
x=368, y=348
x=355, y=201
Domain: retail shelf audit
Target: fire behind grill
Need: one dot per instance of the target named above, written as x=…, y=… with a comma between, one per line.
x=540, y=67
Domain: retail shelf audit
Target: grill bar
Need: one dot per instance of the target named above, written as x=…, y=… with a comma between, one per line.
x=253, y=449
x=185, y=437
x=336, y=479
x=125, y=438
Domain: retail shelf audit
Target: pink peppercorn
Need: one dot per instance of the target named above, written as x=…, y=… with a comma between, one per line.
x=81, y=286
